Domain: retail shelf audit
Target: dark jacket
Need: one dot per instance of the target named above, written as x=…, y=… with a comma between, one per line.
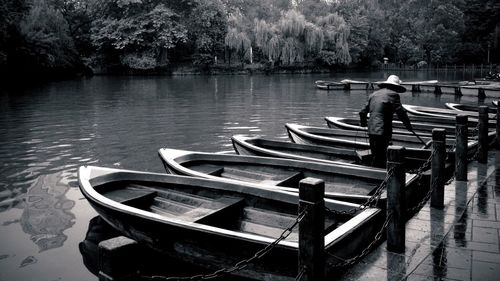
x=382, y=105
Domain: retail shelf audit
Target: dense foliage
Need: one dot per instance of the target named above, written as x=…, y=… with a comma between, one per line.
x=55, y=37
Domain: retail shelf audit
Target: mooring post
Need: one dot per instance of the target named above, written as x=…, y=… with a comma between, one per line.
x=498, y=124
x=461, y=131
x=396, y=201
x=311, y=229
x=482, y=148
x=437, y=167
x=437, y=90
x=481, y=94
x=115, y=259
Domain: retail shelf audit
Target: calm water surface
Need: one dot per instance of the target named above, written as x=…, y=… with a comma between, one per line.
x=47, y=132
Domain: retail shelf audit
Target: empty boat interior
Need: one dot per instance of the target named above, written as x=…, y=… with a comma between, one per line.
x=355, y=183
x=224, y=209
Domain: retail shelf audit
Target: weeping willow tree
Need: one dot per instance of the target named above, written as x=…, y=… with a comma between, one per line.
x=314, y=38
x=238, y=42
x=291, y=27
x=237, y=39
x=267, y=39
x=335, y=49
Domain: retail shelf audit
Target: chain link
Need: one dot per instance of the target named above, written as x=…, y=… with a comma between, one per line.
x=355, y=259
x=301, y=273
x=241, y=264
x=372, y=201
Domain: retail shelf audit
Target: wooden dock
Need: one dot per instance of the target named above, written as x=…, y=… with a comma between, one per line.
x=458, y=242
x=456, y=89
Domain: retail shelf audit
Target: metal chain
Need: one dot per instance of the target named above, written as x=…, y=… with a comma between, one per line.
x=241, y=264
x=355, y=259
x=420, y=170
x=301, y=273
x=429, y=193
x=370, y=201
x=424, y=200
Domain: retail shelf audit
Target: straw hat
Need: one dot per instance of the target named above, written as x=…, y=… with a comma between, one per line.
x=393, y=83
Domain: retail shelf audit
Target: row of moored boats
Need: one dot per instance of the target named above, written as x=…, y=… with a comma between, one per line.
x=479, y=87
x=217, y=209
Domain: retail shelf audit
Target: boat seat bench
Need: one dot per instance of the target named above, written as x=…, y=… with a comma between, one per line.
x=191, y=207
x=261, y=177
x=130, y=195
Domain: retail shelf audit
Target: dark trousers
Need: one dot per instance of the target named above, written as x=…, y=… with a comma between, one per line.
x=378, y=147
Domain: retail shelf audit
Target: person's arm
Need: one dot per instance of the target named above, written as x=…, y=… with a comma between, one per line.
x=363, y=113
x=401, y=112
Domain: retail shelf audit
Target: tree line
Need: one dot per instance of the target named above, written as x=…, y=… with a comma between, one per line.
x=64, y=37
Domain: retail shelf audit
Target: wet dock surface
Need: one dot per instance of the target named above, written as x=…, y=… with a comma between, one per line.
x=459, y=242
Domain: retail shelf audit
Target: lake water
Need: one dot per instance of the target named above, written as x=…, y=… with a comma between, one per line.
x=48, y=131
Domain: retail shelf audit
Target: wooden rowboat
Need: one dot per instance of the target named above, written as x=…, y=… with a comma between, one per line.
x=258, y=146
x=442, y=112
x=467, y=107
x=416, y=86
x=348, y=138
x=352, y=183
x=357, y=85
x=360, y=140
x=421, y=128
x=330, y=85
x=420, y=86
x=217, y=224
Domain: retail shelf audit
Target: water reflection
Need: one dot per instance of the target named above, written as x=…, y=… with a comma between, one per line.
x=439, y=255
x=482, y=189
x=461, y=212
x=396, y=266
x=97, y=231
x=47, y=212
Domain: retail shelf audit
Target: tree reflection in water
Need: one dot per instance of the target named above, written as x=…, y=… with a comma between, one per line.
x=47, y=212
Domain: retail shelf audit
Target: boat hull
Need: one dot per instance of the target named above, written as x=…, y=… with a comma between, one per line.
x=444, y=113
x=421, y=128
x=351, y=183
x=330, y=85
x=467, y=107
x=258, y=146
x=214, y=241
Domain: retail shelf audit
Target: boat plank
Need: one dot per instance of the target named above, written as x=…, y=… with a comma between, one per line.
x=269, y=231
x=129, y=195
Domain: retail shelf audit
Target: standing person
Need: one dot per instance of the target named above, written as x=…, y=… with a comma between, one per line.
x=381, y=106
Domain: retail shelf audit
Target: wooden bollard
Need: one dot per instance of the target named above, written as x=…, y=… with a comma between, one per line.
x=481, y=93
x=461, y=147
x=498, y=124
x=437, y=167
x=482, y=156
x=311, y=229
x=115, y=259
x=396, y=200
x=437, y=90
